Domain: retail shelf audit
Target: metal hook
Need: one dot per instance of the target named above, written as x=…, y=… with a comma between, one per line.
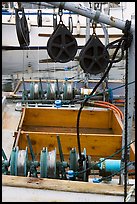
x=60, y=13
x=94, y=25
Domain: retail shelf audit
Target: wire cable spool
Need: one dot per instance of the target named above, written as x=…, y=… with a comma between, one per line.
x=18, y=162
x=48, y=163
x=22, y=28
x=22, y=158
x=68, y=91
x=35, y=91
x=51, y=91
x=43, y=163
x=61, y=46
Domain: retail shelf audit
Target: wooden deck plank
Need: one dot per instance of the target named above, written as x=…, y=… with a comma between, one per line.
x=63, y=185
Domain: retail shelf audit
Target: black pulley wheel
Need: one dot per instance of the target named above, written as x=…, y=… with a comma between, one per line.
x=22, y=28
x=62, y=46
x=94, y=57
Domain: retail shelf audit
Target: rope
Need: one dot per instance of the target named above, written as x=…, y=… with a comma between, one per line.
x=130, y=192
x=109, y=157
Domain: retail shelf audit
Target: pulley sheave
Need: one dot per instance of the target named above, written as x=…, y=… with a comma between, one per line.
x=62, y=46
x=22, y=28
x=94, y=56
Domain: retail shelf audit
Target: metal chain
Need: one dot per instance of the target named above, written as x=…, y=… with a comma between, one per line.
x=126, y=44
x=60, y=13
x=94, y=25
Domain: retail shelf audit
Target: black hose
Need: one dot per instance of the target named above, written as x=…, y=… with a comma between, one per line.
x=94, y=89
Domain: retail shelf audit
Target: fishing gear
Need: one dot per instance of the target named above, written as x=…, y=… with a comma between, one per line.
x=62, y=46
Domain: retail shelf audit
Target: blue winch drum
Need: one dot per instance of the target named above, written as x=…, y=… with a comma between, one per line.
x=110, y=165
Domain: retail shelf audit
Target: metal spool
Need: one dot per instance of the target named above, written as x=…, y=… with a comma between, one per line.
x=43, y=163
x=48, y=164
x=36, y=90
x=18, y=162
x=32, y=90
x=22, y=162
x=51, y=91
x=68, y=92
x=73, y=160
x=62, y=46
x=22, y=28
x=85, y=178
x=94, y=56
x=12, y=162
x=40, y=91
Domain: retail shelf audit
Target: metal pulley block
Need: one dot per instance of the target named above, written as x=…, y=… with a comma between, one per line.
x=94, y=57
x=62, y=46
x=22, y=28
x=48, y=163
x=68, y=91
x=19, y=162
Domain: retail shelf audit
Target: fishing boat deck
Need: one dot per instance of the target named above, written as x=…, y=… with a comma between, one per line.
x=51, y=190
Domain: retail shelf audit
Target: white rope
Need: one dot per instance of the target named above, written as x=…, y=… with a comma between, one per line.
x=130, y=192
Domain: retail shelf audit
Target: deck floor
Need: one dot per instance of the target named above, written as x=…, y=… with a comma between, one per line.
x=10, y=119
x=35, y=195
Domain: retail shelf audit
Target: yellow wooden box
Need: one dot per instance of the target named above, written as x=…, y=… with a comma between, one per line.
x=100, y=131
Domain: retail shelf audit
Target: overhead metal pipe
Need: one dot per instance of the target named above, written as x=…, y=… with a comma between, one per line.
x=92, y=14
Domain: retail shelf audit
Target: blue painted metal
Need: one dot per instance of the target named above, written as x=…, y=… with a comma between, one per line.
x=58, y=103
x=96, y=180
x=110, y=165
x=71, y=174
